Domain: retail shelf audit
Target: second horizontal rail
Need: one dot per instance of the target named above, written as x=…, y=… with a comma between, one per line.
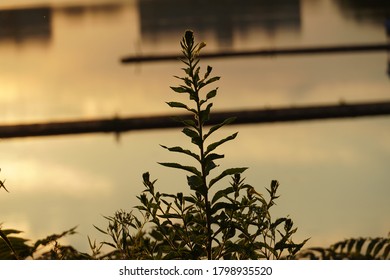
x=119, y=125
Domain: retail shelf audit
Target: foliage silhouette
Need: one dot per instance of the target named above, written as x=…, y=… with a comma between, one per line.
x=14, y=247
x=351, y=249
x=232, y=222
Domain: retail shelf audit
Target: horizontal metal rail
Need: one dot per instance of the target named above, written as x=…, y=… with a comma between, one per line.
x=267, y=52
x=118, y=125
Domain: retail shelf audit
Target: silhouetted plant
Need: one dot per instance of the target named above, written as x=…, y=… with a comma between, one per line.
x=14, y=247
x=232, y=222
x=351, y=249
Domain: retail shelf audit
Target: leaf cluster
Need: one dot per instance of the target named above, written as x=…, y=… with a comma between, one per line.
x=351, y=249
x=49, y=248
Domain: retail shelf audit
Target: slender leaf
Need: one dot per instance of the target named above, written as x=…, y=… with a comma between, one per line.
x=351, y=243
x=208, y=71
x=194, y=135
x=183, y=151
x=379, y=247
x=190, y=132
x=222, y=193
x=196, y=184
x=186, y=122
x=205, y=114
x=209, y=81
x=386, y=252
x=190, y=199
x=182, y=89
x=372, y=245
x=211, y=94
x=216, y=127
x=223, y=205
x=209, y=165
x=213, y=156
x=359, y=245
x=180, y=105
x=183, y=167
x=156, y=235
x=169, y=216
x=6, y=240
x=186, y=80
x=196, y=75
x=227, y=172
x=214, y=145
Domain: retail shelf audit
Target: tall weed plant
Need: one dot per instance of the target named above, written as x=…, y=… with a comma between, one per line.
x=208, y=220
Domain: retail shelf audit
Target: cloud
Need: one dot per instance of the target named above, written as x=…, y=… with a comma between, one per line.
x=38, y=176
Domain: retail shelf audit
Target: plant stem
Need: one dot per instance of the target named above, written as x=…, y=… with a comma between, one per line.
x=202, y=160
x=206, y=197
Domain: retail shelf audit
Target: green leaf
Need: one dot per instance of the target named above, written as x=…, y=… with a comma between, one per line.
x=215, y=127
x=359, y=245
x=208, y=71
x=227, y=172
x=209, y=162
x=196, y=184
x=194, y=135
x=186, y=70
x=214, y=145
x=223, y=205
x=205, y=114
x=386, y=252
x=186, y=122
x=190, y=199
x=181, y=89
x=156, y=235
x=210, y=165
x=183, y=151
x=181, y=105
x=379, y=247
x=109, y=244
x=209, y=81
x=169, y=216
x=183, y=167
x=211, y=94
x=196, y=75
x=350, y=245
x=221, y=193
x=6, y=240
x=189, y=123
x=275, y=224
x=186, y=80
x=190, y=133
x=213, y=156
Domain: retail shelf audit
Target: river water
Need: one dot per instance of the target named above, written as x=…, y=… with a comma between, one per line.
x=60, y=60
